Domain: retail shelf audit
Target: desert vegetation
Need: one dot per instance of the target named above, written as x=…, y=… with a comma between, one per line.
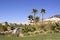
x=37, y=27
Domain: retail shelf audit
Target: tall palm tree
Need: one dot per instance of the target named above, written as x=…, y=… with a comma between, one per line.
x=43, y=12
x=30, y=18
x=35, y=12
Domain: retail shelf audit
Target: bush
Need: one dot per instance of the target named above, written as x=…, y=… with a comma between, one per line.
x=4, y=28
x=26, y=29
x=12, y=28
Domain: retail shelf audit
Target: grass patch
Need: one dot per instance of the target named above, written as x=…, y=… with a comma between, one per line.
x=54, y=36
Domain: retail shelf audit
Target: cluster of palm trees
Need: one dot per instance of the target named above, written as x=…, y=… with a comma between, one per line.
x=34, y=18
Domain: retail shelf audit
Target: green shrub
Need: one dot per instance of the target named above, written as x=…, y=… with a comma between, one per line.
x=4, y=28
x=26, y=29
x=12, y=28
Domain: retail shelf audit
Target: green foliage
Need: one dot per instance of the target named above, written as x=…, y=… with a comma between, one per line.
x=1, y=27
x=4, y=28
x=12, y=26
x=37, y=19
x=6, y=24
x=30, y=17
x=28, y=29
x=35, y=11
x=52, y=27
x=55, y=27
x=43, y=11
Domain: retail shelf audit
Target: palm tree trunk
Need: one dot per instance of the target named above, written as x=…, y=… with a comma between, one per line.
x=42, y=17
x=34, y=19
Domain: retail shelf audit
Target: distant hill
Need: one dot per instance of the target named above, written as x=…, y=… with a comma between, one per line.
x=58, y=16
x=55, y=18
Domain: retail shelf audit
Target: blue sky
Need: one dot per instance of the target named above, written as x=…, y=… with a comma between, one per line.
x=19, y=10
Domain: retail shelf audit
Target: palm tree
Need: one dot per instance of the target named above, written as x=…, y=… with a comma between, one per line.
x=35, y=12
x=37, y=19
x=43, y=12
x=30, y=18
